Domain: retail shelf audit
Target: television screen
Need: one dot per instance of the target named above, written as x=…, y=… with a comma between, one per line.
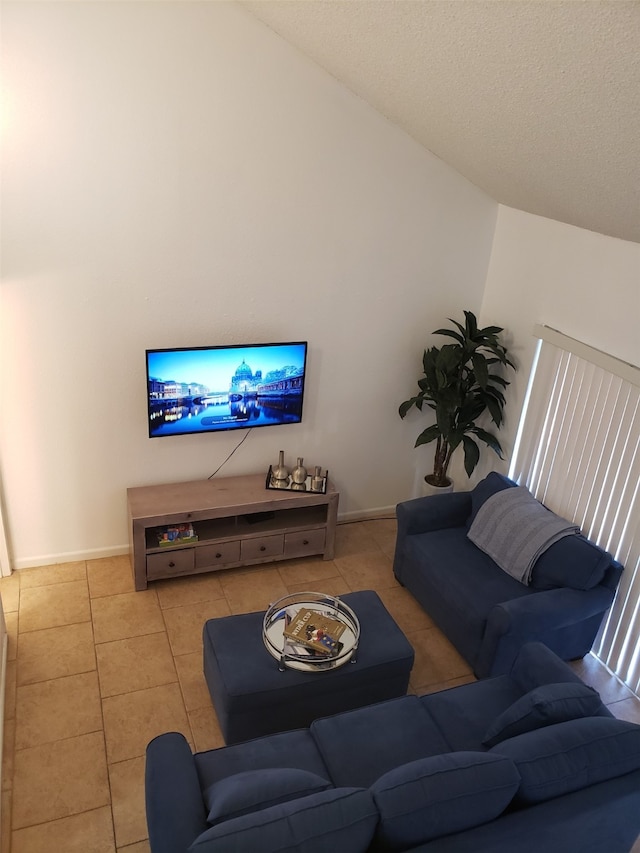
x=208, y=389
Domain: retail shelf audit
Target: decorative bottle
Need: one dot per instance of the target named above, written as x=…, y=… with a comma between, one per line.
x=299, y=473
x=317, y=481
x=281, y=472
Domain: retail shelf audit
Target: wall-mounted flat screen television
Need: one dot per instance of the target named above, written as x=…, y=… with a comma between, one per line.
x=219, y=388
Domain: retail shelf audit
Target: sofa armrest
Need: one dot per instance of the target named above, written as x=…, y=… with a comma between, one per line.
x=542, y=616
x=612, y=576
x=433, y=512
x=537, y=665
x=556, y=608
x=422, y=515
x=175, y=808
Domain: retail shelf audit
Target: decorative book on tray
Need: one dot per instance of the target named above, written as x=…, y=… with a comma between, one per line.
x=315, y=631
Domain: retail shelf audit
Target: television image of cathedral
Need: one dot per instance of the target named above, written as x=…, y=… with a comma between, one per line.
x=288, y=381
x=205, y=389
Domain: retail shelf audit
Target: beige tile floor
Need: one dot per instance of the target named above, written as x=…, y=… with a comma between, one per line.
x=95, y=670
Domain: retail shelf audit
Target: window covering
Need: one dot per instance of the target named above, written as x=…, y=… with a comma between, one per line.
x=578, y=451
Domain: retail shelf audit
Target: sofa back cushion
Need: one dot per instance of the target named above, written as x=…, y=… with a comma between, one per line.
x=359, y=746
x=257, y=789
x=491, y=484
x=544, y=706
x=341, y=819
x=566, y=757
x=436, y=796
x=570, y=562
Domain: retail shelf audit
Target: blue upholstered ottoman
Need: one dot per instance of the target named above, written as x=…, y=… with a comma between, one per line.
x=252, y=697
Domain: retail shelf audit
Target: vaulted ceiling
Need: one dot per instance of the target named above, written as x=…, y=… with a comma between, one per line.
x=537, y=102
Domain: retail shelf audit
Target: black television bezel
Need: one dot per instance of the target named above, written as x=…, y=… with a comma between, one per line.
x=216, y=430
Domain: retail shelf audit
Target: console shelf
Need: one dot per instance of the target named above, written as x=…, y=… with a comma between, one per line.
x=238, y=522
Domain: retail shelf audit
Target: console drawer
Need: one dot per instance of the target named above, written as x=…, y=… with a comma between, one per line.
x=264, y=546
x=304, y=542
x=216, y=556
x=178, y=562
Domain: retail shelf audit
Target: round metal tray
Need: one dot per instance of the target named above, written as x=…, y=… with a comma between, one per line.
x=293, y=655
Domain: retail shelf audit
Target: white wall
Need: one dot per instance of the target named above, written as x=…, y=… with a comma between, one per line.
x=175, y=174
x=581, y=283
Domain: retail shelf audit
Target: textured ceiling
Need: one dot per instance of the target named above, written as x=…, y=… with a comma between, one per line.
x=537, y=103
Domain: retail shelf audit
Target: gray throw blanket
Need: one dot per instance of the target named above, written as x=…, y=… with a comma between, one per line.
x=513, y=528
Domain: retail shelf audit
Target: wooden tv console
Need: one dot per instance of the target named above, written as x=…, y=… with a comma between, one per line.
x=238, y=522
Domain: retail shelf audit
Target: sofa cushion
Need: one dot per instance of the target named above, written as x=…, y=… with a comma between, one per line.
x=464, y=713
x=258, y=789
x=295, y=749
x=355, y=752
x=514, y=528
x=461, y=583
x=572, y=561
x=341, y=819
x=436, y=796
x=566, y=757
x=491, y=484
x=543, y=706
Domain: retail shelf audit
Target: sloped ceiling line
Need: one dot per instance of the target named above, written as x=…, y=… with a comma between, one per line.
x=537, y=102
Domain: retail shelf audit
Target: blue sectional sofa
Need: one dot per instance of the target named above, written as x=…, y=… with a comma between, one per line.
x=525, y=762
x=485, y=612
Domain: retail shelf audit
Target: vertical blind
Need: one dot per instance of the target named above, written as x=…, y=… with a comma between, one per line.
x=578, y=451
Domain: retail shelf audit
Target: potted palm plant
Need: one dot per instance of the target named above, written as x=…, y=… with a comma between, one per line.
x=460, y=385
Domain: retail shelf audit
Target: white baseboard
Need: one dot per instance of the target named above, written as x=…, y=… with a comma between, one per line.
x=367, y=514
x=119, y=550
x=71, y=557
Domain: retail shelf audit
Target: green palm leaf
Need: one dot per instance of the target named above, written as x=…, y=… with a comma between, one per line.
x=460, y=385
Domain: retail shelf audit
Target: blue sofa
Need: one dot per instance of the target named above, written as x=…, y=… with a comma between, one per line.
x=485, y=612
x=527, y=761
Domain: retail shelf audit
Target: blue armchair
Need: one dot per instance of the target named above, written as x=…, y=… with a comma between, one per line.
x=486, y=613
